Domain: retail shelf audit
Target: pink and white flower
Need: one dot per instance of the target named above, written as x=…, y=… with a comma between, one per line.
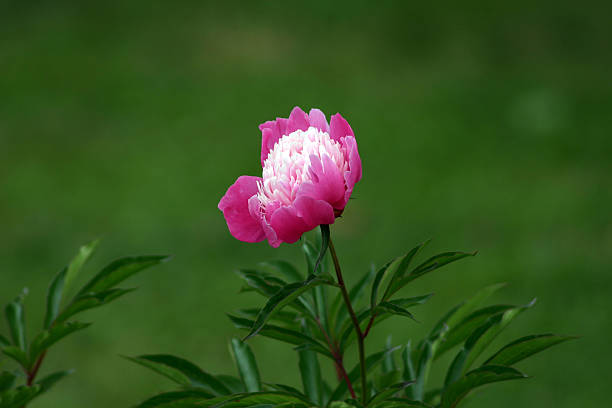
x=310, y=168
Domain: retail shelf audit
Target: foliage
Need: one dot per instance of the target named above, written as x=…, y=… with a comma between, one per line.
x=314, y=314
x=21, y=385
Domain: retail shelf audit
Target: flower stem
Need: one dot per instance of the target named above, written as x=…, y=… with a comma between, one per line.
x=360, y=336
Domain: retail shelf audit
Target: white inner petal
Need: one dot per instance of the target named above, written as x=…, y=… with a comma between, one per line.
x=288, y=163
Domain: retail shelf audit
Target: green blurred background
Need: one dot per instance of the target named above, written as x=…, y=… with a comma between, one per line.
x=483, y=126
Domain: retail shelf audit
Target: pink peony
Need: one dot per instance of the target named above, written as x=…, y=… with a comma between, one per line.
x=309, y=170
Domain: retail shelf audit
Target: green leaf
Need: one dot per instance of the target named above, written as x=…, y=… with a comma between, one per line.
x=388, y=364
x=284, y=268
x=16, y=320
x=283, y=297
x=479, y=340
x=7, y=380
x=263, y=283
x=182, y=372
x=17, y=354
x=371, y=362
x=525, y=347
x=119, y=270
x=234, y=384
x=47, y=382
x=18, y=397
x=285, y=388
x=246, y=364
x=387, y=393
x=476, y=378
x=4, y=341
x=283, y=334
x=77, y=263
x=324, y=246
x=49, y=337
x=310, y=372
x=313, y=259
x=409, y=371
x=401, y=403
x=400, y=271
x=54, y=297
x=433, y=263
x=462, y=330
x=422, y=371
x=176, y=399
x=339, y=309
x=393, y=308
x=90, y=301
x=382, y=274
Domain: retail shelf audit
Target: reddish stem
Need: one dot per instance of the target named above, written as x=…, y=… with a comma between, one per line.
x=32, y=374
x=370, y=323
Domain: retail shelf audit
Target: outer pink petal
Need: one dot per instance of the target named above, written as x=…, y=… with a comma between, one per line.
x=314, y=212
x=288, y=226
x=339, y=128
x=327, y=182
x=271, y=132
x=298, y=120
x=353, y=174
x=235, y=206
x=318, y=120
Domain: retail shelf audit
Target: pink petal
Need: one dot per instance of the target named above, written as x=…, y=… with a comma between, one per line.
x=353, y=174
x=287, y=225
x=327, y=182
x=298, y=120
x=318, y=120
x=235, y=206
x=339, y=127
x=314, y=212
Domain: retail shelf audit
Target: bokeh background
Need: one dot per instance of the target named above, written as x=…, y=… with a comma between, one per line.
x=481, y=125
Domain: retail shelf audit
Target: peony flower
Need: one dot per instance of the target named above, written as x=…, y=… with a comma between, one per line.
x=309, y=170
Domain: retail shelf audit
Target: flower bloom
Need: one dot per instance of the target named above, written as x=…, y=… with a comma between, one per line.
x=309, y=170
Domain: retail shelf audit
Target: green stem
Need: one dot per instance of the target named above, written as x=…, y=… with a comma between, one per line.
x=360, y=336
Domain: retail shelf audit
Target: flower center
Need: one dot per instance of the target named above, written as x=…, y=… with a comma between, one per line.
x=288, y=164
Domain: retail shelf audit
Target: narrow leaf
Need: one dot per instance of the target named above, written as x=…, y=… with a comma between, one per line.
x=310, y=372
x=7, y=380
x=54, y=297
x=16, y=321
x=246, y=364
x=283, y=297
x=399, y=273
x=4, y=341
x=18, y=355
x=525, y=347
x=176, y=399
x=169, y=366
x=119, y=270
x=18, y=397
x=77, y=263
x=284, y=268
x=51, y=336
x=50, y=380
x=90, y=301
x=476, y=378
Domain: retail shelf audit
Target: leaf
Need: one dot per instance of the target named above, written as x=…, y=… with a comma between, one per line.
x=90, y=301
x=50, y=380
x=319, y=295
x=182, y=372
x=402, y=403
x=16, y=320
x=4, y=341
x=277, y=399
x=381, y=275
x=310, y=373
x=393, y=308
x=284, y=268
x=433, y=263
x=479, y=340
x=283, y=334
x=342, y=315
x=235, y=385
x=402, y=267
x=388, y=364
x=408, y=372
x=324, y=246
x=388, y=393
x=18, y=397
x=7, y=380
x=461, y=331
x=49, y=337
x=176, y=399
x=525, y=347
x=17, y=354
x=285, y=388
x=371, y=362
x=476, y=378
x=283, y=297
x=246, y=364
x=265, y=284
x=73, y=269
x=422, y=371
x=54, y=297
x=119, y=270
